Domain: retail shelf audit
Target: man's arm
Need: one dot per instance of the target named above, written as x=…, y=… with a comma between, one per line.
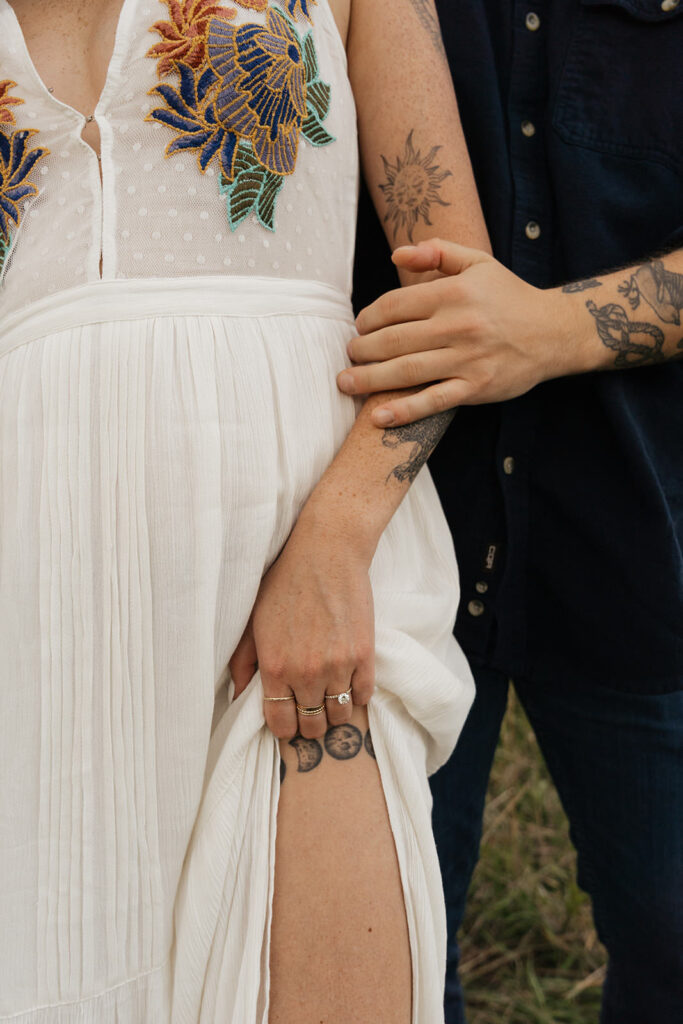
x=480, y=334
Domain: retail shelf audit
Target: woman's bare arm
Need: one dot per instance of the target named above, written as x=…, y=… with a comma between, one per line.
x=313, y=621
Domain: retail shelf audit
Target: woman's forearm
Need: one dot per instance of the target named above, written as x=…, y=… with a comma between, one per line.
x=364, y=485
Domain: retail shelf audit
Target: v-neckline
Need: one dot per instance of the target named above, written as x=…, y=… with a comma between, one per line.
x=110, y=76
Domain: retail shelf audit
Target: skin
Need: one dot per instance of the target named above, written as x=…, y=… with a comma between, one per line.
x=311, y=631
x=481, y=334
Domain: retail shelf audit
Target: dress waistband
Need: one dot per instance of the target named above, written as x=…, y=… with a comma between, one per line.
x=135, y=299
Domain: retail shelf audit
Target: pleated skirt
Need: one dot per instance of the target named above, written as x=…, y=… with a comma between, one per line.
x=157, y=441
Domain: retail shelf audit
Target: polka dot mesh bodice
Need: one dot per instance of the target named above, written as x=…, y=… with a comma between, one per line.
x=228, y=147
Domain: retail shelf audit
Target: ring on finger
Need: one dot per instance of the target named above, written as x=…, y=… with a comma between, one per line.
x=309, y=712
x=341, y=698
x=291, y=697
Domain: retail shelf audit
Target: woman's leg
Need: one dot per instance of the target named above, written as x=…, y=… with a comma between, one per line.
x=340, y=952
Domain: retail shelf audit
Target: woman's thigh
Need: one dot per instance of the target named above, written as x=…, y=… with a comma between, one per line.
x=340, y=951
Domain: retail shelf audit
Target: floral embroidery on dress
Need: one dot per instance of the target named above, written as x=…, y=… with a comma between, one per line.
x=296, y=7
x=246, y=102
x=7, y=102
x=184, y=36
x=16, y=163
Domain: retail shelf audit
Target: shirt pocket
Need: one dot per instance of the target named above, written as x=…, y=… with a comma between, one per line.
x=621, y=85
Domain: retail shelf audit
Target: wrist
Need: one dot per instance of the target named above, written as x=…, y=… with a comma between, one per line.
x=577, y=349
x=337, y=522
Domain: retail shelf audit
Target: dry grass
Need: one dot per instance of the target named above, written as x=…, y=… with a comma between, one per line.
x=529, y=951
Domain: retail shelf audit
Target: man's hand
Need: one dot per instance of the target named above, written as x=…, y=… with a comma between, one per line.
x=476, y=334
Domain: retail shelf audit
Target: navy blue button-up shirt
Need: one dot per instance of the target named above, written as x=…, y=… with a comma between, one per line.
x=566, y=504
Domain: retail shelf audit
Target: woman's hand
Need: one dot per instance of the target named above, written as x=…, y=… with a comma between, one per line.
x=311, y=632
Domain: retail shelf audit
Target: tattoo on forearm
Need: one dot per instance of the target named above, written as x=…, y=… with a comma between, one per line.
x=412, y=187
x=429, y=20
x=628, y=338
x=423, y=435
x=342, y=742
x=660, y=288
x=582, y=286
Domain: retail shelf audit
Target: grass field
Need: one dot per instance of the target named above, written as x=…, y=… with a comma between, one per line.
x=530, y=954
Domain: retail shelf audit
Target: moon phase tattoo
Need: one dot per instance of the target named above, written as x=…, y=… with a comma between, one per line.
x=309, y=753
x=423, y=435
x=343, y=741
x=412, y=187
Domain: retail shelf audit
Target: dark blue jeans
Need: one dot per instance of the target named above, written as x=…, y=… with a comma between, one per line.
x=617, y=761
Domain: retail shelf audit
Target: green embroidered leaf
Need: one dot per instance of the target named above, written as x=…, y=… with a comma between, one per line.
x=4, y=250
x=266, y=201
x=313, y=131
x=318, y=95
x=243, y=195
x=310, y=58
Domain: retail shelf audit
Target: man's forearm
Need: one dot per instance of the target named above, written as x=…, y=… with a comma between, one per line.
x=633, y=316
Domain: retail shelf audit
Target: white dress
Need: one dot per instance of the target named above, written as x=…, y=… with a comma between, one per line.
x=170, y=332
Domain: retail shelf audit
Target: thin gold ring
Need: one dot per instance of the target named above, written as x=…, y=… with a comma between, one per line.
x=309, y=712
x=291, y=697
x=341, y=698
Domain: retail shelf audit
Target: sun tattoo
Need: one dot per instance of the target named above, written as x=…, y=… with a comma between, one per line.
x=412, y=186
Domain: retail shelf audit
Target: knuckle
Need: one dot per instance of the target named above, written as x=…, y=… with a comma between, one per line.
x=441, y=399
x=411, y=370
x=273, y=667
x=364, y=650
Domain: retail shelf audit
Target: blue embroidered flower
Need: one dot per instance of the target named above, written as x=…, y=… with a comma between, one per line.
x=16, y=164
x=263, y=86
x=296, y=6
x=190, y=110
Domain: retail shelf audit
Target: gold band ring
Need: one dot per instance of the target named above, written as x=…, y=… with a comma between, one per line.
x=341, y=698
x=309, y=712
x=291, y=697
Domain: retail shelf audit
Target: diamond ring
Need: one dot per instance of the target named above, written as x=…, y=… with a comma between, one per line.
x=341, y=698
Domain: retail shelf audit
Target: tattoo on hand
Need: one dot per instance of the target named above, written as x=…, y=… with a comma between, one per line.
x=660, y=288
x=412, y=187
x=627, y=337
x=582, y=286
x=369, y=745
x=429, y=19
x=424, y=436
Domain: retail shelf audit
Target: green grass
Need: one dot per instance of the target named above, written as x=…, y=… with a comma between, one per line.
x=530, y=954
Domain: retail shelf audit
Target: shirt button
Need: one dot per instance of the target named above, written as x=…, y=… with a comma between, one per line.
x=481, y=588
x=670, y=5
x=528, y=129
x=508, y=465
x=532, y=21
x=476, y=608
x=532, y=230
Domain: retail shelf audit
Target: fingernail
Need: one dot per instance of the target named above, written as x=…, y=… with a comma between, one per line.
x=404, y=248
x=383, y=417
x=346, y=383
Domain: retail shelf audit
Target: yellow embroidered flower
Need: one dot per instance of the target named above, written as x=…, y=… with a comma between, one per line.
x=184, y=36
x=7, y=102
x=252, y=5
x=16, y=163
